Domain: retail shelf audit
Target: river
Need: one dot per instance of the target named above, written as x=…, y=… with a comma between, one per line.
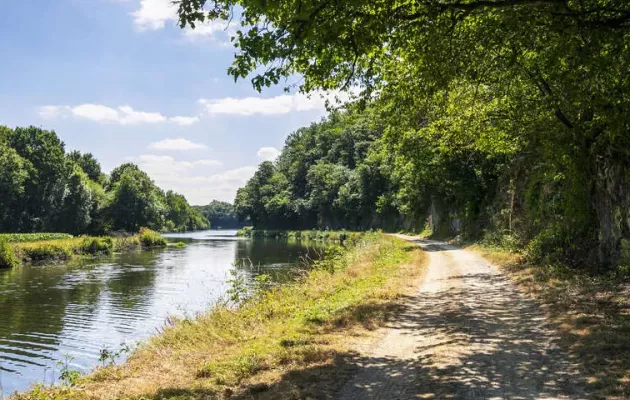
x=76, y=310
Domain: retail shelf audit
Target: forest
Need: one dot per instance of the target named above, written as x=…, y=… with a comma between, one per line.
x=220, y=214
x=505, y=120
x=45, y=189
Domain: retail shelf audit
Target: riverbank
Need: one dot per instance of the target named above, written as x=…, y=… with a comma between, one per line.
x=257, y=347
x=19, y=249
x=591, y=313
x=317, y=235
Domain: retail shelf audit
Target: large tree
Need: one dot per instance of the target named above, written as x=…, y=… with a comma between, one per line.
x=558, y=65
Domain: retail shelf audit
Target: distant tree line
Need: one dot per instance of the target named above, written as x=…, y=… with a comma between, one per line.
x=45, y=189
x=220, y=214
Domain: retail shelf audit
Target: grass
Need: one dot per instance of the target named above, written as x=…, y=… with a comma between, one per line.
x=150, y=238
x=59, y=250
x=592, y=314
x=8, y=259
x=252, y=348
x=33, y=237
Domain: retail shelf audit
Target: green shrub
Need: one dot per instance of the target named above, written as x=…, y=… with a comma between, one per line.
x=7, y=255
x=97, y=245
x=150, y=238
x=47, y=252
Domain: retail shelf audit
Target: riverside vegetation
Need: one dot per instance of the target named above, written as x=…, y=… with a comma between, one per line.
x=47, y=248
x=255, y=344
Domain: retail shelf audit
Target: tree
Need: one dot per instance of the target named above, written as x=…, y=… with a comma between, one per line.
x=135, y=200
x=220, y=214
x=182, y=216
x=13, y=180
x=556, y=65
x=76, y=212
x=88, y=164
x=44, y=190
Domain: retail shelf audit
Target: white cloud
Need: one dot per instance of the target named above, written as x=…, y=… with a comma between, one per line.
x=268, y=153
x=188, y=177
x=49, y=112
x=277, y=105
x=206, y=29
x=184, y=121
x=153, y=14
x=209, y=163
x=177, y=144
x=123, y=115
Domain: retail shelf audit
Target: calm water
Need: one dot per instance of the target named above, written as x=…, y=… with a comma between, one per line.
x=77, y=310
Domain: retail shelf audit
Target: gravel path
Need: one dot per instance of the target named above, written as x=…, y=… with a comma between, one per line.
x=467, y=333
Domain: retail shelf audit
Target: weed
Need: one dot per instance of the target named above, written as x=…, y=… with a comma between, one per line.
x=8, y=258
x=149, y=238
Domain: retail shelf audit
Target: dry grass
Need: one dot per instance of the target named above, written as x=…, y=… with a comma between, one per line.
x=257, y=350
x=592, y=314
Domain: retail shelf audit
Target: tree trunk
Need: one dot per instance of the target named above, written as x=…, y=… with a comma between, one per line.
x=612, y=206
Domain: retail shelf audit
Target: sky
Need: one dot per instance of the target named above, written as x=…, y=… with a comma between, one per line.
x=120, y=79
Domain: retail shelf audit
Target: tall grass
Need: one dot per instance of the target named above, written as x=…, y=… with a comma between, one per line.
x=8, y=258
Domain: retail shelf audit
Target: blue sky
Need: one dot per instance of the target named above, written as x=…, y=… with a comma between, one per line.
x=119, y=79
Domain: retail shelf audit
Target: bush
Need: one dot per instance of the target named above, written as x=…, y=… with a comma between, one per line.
x=7, y=255
x=48, y=252
x=150, y=238
x=97, y=245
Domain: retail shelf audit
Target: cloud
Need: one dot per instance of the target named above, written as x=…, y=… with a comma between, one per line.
x=49, y=112
x=153, y=14
x=268, y=153
x=277, y=105
x=189, y=179
x=209, y=163
x=123, y=115
x=207, y=29
x=177, y=144
x=184, y=121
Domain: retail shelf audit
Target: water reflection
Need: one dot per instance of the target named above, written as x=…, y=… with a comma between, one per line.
x=79, y=309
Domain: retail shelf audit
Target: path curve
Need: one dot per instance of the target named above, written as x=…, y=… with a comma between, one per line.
x=467, y=333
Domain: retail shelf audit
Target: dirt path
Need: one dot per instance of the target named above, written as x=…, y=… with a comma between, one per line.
x=467, y=333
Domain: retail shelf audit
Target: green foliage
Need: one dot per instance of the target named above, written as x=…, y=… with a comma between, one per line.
x=220, y=214
x=97, y=245
x=67, y=375
x=8, y=258
x=45, y=189
x=503, y=115
x=181, y=216
x=33, y=237
x=47, y=252
x=149, y=238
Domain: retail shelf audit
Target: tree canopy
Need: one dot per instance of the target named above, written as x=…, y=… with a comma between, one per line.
x=532, y=93
x=44, y=189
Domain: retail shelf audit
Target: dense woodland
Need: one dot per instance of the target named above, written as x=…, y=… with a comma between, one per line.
x=220, y=214
x=503, y=118
x=45, y=189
